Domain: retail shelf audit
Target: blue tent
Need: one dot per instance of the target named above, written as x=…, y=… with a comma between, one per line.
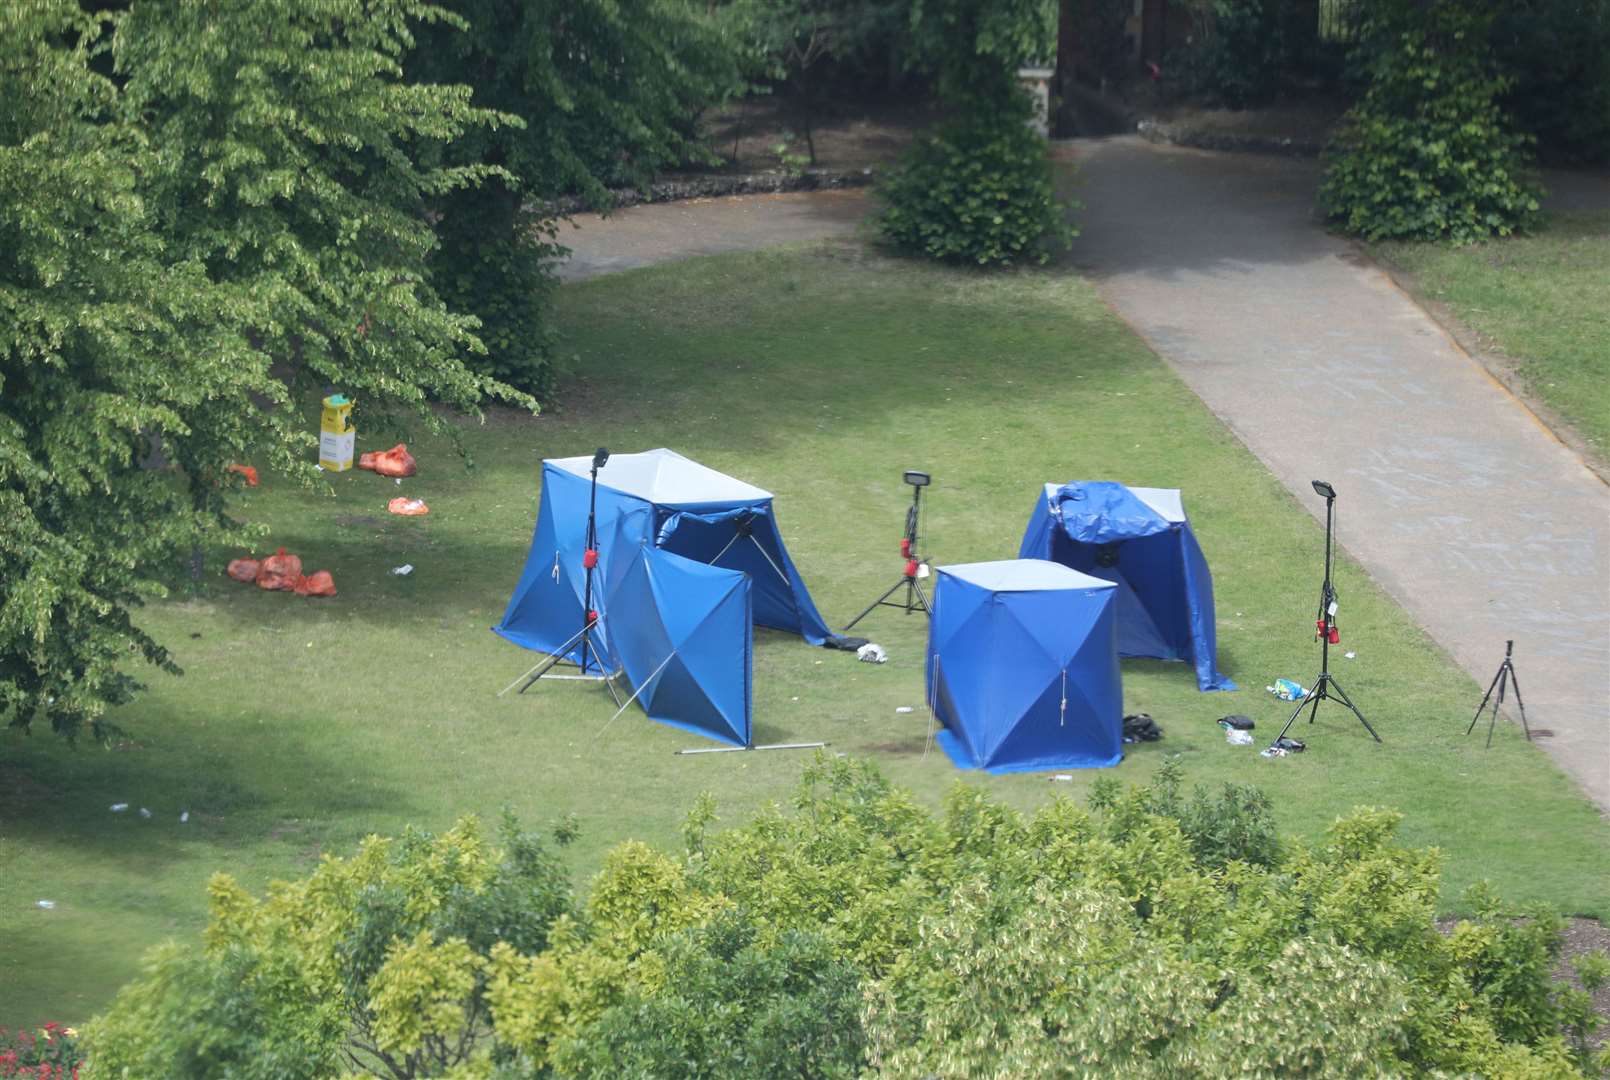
x=1023, y=667
x=689, y=561
x=1140, y=539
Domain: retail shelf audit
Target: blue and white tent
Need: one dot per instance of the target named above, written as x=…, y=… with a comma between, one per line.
x=1023, y=667
x=1139, y=539
x=689, y=561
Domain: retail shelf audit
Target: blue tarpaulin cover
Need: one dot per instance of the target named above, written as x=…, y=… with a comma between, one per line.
x=1141, y=540
x=1023, y=667
x=689, y=560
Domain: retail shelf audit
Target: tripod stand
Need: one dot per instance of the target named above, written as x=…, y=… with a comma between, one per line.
x=1506, y=676
x=1325, y=686
x=916, y=599
x=589, y=619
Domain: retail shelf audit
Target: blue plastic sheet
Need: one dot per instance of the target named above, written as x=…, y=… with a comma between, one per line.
x=1141, y=540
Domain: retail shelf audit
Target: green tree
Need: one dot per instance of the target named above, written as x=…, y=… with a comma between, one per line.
x=795, y=40
x=862, y=934
x=979, y=189
x=1429, y=153
x=730, y=1008
x=376, y=964
x=608, y=92
x=187, y=248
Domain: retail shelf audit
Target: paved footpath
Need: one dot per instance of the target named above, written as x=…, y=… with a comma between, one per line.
x=1452, y=495
x=1450, y=492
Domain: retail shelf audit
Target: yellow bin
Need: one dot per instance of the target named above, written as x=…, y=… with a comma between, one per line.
x=336, y=434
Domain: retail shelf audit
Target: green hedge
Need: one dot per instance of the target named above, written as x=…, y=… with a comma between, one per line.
x=976, y=192
x=1154, y=933
x=1429, y=154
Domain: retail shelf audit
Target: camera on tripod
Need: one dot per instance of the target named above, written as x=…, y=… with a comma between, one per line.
x=917, y=479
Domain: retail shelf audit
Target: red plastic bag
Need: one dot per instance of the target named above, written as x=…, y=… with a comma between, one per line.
x=408, y=507
x=247, y=471
x=279, y=571
x=244, y=570
x=318, y=583
x=394, y=462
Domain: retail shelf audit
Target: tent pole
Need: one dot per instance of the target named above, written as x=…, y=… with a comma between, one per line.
x=745, y=749
x=768, y=559
x=638, y=691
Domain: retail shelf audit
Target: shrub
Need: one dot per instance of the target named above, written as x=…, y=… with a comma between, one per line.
x=980, y=193
x=505, y=279
x=733, y=1007
x=375, y=964
x=864, y=935
x=979, y=189
x=1428, y=153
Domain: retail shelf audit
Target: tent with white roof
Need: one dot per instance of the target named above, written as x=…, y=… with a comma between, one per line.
x=1139, y=539
x=689, y=561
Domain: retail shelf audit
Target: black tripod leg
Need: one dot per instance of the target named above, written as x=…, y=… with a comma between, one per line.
x=888, y=593
x=555, y=658
x=1490, y=688
x=1503, y=682
x=1342, y=694
x=1311, y=699
x=922, y=597
x=1514, y=677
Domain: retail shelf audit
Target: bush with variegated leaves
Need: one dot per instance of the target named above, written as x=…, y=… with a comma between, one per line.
x=1156, y=932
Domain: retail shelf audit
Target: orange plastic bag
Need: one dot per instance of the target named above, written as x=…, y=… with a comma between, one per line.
x=247, y=471
x=394, y=462
x=244, y=570
x=318, y=583
x=408, y=507
x=279, y=571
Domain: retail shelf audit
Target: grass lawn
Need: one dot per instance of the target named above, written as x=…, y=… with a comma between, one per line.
x=301, y=725
x=1543, y=301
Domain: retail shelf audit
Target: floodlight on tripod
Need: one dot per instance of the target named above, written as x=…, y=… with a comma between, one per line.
x=586, y=637
x=916, y=567
x=1325, y=687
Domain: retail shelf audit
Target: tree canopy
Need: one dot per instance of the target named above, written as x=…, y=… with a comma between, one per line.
x=1156, y=933
x=233, y=217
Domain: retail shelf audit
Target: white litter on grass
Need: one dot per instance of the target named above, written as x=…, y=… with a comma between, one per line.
x=47, y=904
x=404, y=570
x=904, y=709
x=872, y=653
x=119, y=807
x=144, y=812
x=1062, y=776
x=184, y=817
x=399, y=481
x=1237, y=737
x=319, y=467
x=1350, y=655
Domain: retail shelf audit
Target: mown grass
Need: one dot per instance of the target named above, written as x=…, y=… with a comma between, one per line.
x=301, y=725
x=1544, y=301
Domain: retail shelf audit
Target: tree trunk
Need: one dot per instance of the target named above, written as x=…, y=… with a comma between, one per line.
x=1063, y=123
